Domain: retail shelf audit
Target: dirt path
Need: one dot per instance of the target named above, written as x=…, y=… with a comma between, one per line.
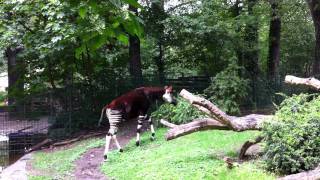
x=88, y=166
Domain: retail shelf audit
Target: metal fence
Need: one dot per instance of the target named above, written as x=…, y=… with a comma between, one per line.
x=59, y=113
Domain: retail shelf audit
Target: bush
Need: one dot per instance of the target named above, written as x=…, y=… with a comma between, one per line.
x=182, y=113
x=293, y=138
x=228, y=89
x=3, y=97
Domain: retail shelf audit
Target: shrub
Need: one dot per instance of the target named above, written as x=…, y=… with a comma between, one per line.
x=228, y=89
x=182, y=113
x=3, y=96
x=293, y=138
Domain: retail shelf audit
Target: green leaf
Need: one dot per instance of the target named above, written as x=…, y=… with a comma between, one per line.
x=79, y=51
x=133, y=3
x=96, y=42
x=82, y=12
x=123, y=38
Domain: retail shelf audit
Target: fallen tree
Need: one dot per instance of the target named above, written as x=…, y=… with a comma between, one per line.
x=312, y=82
x=200, y=124
x=218, y=120
x=313, y=174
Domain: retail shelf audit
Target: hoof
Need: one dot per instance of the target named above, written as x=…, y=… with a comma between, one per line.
x=105, y=157
x=152, y=138
x=120, y=150
x=137, y=143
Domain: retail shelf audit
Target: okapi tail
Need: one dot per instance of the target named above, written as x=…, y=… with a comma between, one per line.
x=101, y=116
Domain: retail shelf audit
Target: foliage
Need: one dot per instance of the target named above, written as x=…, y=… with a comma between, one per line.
x=3, y=96
x=293, y=139
x=60, y=163
x=196, y=156
x=85, y=42
x=228, y=89
x=182, y=113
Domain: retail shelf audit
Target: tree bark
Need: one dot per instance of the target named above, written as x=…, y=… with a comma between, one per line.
x=196, y=125
x=158, y=15
x=313, y=174
x=312, y=82
x=15, y=74
x=219, y=120
x=135, y=67
x=168, y=124
x=249, y=122
x=314, y=6
x=274, y=44
x=247, y=145
x=251, y=53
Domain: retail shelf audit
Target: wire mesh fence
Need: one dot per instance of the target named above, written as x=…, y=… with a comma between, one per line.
x=59, y=113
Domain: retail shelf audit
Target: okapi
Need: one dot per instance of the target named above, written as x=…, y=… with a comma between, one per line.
x=133, y=104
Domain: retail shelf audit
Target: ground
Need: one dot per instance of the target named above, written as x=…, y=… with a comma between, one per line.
x=87, y=160
x=195, y=156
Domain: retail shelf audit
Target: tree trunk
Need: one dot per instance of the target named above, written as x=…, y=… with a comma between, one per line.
x=307, y=175
x=160, y=61
x=158, y=15
x=251, y=53
x=201, y=124
x=135, y=67
x=220, y=120
x=314, y=6
x=15, y=74
x=274, y=45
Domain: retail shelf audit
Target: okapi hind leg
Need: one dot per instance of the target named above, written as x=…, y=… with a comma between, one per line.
x=151, y=129
x=114, y=117
x=140, y=122
x=106, y=150
x=117, y=143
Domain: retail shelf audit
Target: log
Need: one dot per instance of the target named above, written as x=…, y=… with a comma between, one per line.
x=81, y=137
x=250, y=122
x=196, y=125
x=312, y=82
x=70, y=141
x=247, y=145
x=167, y=124
x=313, y=174
x=39, y=145
x=220, y=120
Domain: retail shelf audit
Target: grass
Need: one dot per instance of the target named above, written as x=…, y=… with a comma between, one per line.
x=59, y=164
x=195, y=156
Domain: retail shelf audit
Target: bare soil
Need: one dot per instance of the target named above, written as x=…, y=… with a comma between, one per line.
x=88, y=166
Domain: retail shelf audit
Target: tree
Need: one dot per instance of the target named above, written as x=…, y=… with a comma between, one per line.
x=158, y=15
x=274, y=44
x=314, y=6
x=251, y=53
x=15, y=73
x=135, y=67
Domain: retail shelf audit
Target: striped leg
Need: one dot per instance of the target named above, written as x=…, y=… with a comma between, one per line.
x=151, y=129
x=114, y=117
x=140, y=121
x=117, y=143
x=106, y=149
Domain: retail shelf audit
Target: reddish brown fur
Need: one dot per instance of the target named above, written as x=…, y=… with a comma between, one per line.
x=137, y=102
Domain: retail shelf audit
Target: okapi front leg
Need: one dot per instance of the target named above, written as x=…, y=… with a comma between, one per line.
x=140, y=121
x=151, y=129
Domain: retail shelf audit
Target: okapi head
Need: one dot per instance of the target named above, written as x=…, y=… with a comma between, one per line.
x=167, y=96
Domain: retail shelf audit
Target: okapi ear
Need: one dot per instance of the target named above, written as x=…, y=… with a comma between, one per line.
x=168, y=88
